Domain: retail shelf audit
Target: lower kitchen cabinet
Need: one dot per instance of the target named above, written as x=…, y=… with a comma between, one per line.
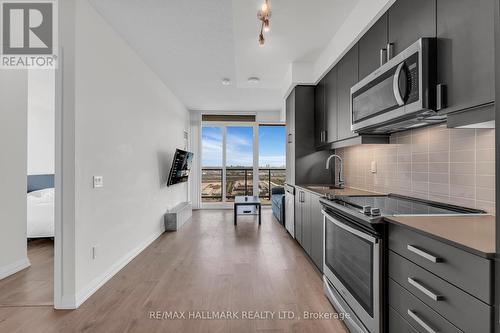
x=309, y=225
x=306, y=222
x=436, y=287
x=316, y=232
x=299, y=195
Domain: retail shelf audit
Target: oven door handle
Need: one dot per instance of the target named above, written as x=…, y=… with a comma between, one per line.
x=349, y=229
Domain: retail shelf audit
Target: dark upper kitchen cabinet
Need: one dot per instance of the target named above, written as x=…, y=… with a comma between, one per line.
x=409, y=20
x=304, y=165
x=331, y=105
x=374, y=40
x=316, y=232
x=319, y=114
x=466, y=51
x=347, y=76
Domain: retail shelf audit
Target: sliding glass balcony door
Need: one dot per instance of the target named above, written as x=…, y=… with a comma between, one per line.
x=239, y=161
x=245, y=159
x=272, y=147
x=212, y=164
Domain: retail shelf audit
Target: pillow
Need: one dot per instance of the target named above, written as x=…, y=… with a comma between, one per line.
x=45, y=194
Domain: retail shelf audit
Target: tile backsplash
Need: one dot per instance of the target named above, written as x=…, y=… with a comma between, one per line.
x=455, y=166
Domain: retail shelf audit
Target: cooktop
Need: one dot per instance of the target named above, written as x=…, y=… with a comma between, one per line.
x=393, y=204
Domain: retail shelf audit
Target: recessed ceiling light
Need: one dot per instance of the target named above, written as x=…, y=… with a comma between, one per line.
x=226, y=81
x=253, y=80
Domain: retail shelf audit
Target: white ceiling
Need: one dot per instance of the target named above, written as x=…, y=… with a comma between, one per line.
x=193, y=44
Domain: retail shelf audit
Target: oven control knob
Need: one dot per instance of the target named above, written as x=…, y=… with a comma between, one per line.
x=375, y=212
x=367, y=210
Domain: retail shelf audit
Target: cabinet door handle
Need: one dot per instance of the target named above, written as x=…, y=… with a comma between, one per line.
x=424, y=254
x=424, y=290
x=390, y=51
x=289, y=137
x=383, y=56
x=440, y=96
x=325, y=136
x=422, y=323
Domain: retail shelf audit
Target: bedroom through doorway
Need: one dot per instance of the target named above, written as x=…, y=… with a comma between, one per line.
x=34, y=285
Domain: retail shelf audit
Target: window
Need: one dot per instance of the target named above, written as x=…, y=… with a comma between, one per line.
x=229, y=161
x=272, y=159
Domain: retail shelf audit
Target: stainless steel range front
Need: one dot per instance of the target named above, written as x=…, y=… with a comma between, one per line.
x=352, y=271
x=353, y=263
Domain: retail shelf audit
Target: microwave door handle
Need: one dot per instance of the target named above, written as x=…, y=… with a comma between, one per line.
x=395, y=85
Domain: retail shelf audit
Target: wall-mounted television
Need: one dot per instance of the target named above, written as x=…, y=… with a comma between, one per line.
x=181, y=166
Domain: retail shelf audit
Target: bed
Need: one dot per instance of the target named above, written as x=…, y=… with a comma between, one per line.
x=40, y=203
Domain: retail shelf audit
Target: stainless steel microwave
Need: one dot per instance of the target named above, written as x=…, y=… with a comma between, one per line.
x=399, y=95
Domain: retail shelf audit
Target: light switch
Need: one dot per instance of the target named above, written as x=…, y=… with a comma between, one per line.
x=373, y=167
x=98, y=181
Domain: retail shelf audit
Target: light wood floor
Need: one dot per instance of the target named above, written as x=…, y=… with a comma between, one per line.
x=209, y=265
x=33, y=286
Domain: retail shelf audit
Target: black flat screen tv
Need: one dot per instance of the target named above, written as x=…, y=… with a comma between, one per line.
x=181, y=165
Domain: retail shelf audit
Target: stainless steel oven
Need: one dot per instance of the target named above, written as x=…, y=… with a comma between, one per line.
x=352, y=267
x=400, y=94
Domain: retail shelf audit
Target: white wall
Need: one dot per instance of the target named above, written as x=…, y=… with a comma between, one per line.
x=41, y=122
x=13, y=117
x=361, y=18
x=126, y=125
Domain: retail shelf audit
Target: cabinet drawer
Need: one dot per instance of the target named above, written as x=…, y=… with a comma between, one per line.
x=463, y=310
x=398, y=324
x=415, y=312
x=467, y=271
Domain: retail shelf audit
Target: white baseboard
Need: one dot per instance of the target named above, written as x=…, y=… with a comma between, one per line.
x=14, y=267
x=99, y=281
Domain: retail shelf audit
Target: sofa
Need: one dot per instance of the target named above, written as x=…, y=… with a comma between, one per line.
x=278, y=203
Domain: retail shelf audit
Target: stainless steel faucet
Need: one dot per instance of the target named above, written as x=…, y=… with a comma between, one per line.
x=341, y=183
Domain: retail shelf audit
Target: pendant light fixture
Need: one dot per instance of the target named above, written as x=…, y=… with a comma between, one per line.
x=264, y=14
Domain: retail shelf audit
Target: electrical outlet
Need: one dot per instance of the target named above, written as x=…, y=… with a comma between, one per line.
x=94, y=251
x=98, y=181
x=373, y=167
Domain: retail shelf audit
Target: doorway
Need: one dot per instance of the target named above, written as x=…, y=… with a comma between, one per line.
x=34, y=285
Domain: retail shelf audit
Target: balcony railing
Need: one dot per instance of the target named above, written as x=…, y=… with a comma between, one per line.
x=239, y=181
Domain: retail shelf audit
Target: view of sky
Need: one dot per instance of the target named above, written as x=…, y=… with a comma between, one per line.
x=239, y=148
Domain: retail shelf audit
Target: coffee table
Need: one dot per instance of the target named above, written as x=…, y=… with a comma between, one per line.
x=246, y=201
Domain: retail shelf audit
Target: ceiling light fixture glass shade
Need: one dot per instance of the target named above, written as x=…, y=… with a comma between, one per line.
x=253, y=80
x=264, y=15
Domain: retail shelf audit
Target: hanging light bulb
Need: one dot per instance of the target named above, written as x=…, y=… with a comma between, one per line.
x=264, y=7
x=263, y=15
x=266, y=25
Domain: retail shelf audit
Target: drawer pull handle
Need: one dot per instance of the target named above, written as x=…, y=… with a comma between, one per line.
x=423, y=254
x=422, y=323
x=426, y=291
